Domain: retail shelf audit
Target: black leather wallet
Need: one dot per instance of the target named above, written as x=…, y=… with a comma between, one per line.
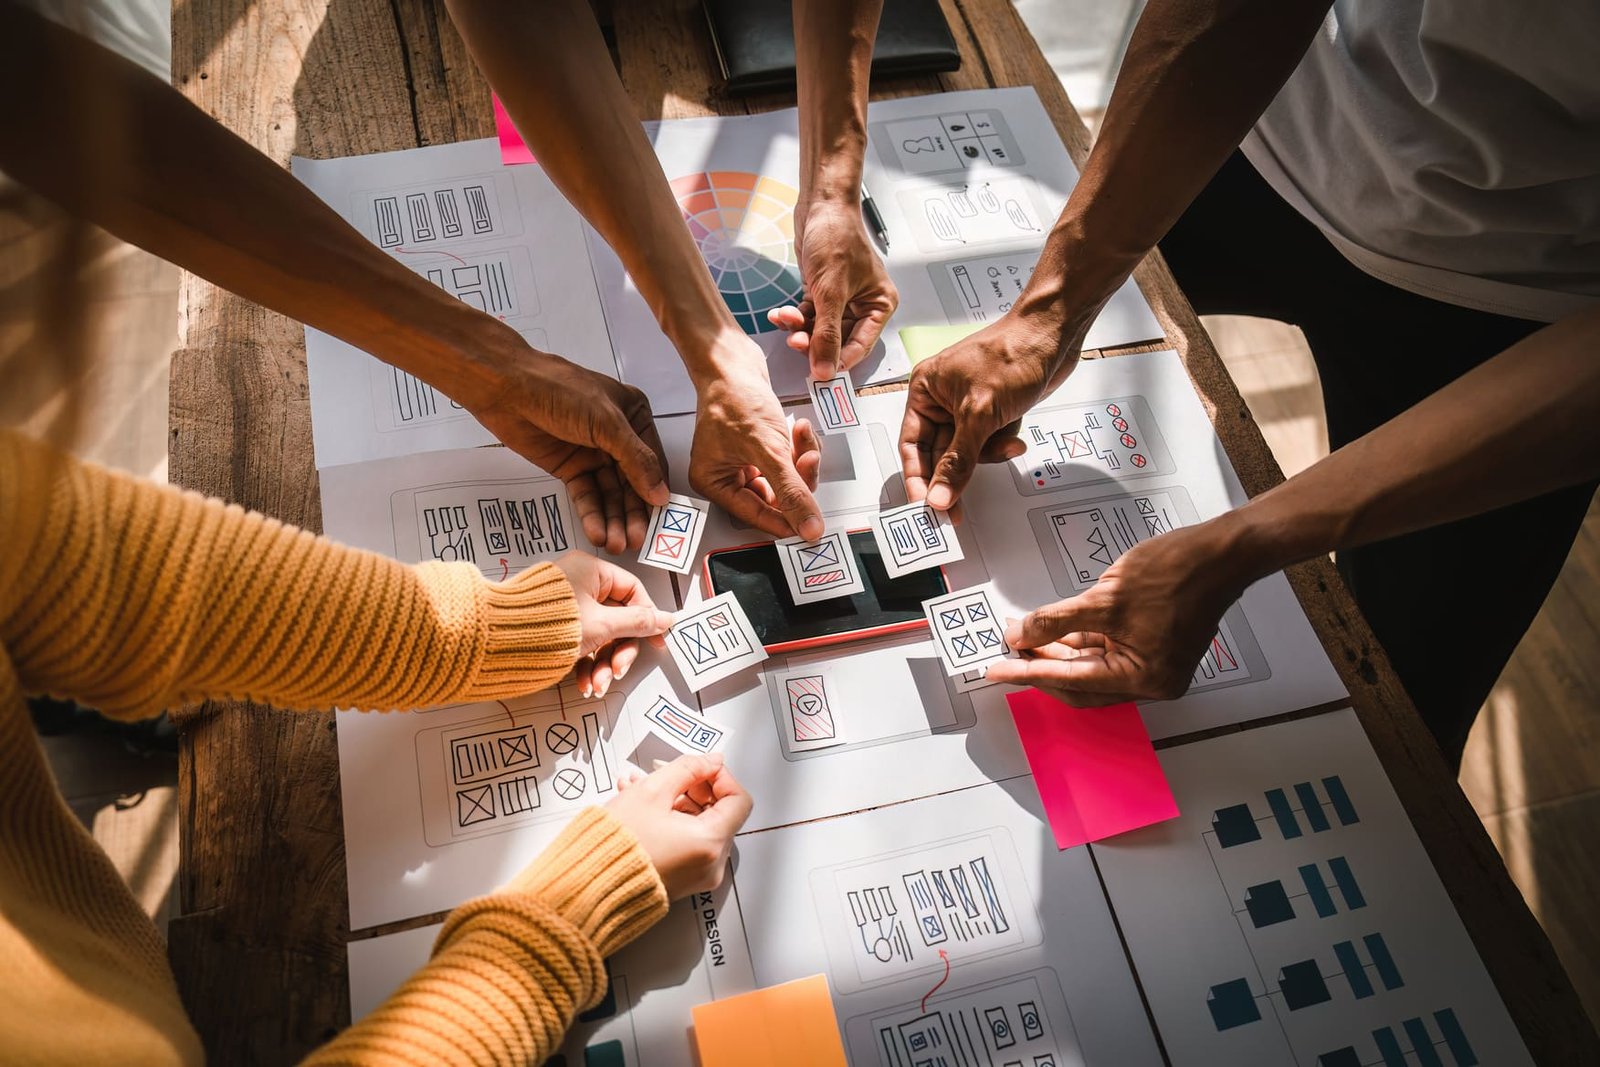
x=755, y=41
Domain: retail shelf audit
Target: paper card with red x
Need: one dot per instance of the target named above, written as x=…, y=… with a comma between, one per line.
x=820, y=570
x=674, y=534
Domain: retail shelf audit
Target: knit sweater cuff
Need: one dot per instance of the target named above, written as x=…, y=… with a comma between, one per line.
x=531, y=631
x=597, y=876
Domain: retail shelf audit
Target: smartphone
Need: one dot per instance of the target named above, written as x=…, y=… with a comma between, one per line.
x=754, y=575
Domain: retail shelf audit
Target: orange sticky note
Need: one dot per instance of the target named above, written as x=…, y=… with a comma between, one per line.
x=789, y=1025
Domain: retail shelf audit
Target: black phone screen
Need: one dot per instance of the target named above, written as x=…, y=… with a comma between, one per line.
x=755, y=576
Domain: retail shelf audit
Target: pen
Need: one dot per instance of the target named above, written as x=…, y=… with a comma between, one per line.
x=869, y=208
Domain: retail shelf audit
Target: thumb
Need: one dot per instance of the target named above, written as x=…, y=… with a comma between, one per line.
x=676, y=778
x=620, y=623
x=1054, y=621
x=640, y=460
x=827, y=332
x=791, y=496
x=954, y=469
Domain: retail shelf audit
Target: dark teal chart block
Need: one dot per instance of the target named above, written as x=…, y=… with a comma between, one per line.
x=1455, y=1038
x=1268, y=903
x=1344, y=1057
x=1235, y=826
x=1421, y=1044
x=605, y=1054
x=1302, y=985
x=1232, y=1004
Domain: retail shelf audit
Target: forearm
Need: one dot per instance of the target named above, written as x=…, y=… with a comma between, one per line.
x=549, y=64
x=833, y=62
x=1518, y=426
x=512, y=970
x=176, y=182
x=168, y=598
x=1195, y=79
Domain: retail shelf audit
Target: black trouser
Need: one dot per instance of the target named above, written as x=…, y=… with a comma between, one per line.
x=1450, y=603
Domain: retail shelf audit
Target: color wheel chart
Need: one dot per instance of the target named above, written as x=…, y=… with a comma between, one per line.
x=744, y=225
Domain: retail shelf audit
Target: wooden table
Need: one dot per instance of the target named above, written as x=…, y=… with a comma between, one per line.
x=259, y=950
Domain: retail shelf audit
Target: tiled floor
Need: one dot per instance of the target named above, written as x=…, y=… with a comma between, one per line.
x=1532, y=767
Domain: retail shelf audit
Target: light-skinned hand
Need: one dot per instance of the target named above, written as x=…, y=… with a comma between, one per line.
x=614, y=611
x=685, y=815
x=593, y=432
x=849, y=296
x=1138, y=632
x=745, y=457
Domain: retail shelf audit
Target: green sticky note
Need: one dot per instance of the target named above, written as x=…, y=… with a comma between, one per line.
x=924, y=341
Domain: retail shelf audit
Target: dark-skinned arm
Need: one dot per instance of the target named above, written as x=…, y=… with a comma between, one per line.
x=1196, y=77
x=549, y=64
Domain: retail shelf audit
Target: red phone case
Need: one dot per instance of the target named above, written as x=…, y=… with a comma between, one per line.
x=827, y=639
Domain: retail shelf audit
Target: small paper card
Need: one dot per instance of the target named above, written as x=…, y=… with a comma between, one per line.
x=820, y=570
x=835, y=403
x=682, y=728
x=966, y=629
x=914, y=537
x=712, y=640
x=1095, y=769
x=674, y=534
x=789, y=1025
x=808, y=713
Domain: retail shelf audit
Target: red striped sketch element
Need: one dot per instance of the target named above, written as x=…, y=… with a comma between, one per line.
x=810, y=710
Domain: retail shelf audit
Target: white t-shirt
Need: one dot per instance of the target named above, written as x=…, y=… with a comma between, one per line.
x=1451, y=148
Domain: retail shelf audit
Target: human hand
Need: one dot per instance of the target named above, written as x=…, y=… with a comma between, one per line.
x=745, y=458
x=1139, y=631
x=614, y=611
x=849, y=296
x=593, y=432
x=685, y=816
x=965, y=404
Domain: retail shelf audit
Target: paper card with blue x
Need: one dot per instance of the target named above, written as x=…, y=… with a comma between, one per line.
x=966, y=629
x=820, y=570
x=674, y=534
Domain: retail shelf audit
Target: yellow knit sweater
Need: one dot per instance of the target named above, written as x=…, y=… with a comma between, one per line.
x=133, y=597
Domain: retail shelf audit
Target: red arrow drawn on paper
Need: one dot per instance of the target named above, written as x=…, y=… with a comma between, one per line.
x=943, y=956
x=428, y=252
x=505, y=570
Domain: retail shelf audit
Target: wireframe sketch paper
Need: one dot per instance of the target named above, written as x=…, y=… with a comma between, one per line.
x=682, y=728
x=803, y=701
x=1315, y=930
x=825, y=569
x=951, y=930
x=834, y=402
x=499, y=238
x=966, y=629
x=673, y=537
x=447, y=803
x=695, y=955
x=713, y=640
x=914, y=537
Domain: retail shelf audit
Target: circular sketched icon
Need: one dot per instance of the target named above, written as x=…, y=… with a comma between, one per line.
x=561, y=738
x=744, y=225
x=569, y=783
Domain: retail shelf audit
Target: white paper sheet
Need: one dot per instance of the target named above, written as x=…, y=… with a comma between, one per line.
x=949, y=926
x=501, y=238
x=444, y=804
x=696, y=954
x=1291, y=913
x=968, y=185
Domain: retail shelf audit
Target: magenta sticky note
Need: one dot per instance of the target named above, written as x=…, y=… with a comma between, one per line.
x=1095, y=768
x=512, y=150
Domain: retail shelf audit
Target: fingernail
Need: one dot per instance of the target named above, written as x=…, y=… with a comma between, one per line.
x=939, y=498
x=622, y=672
x=657, y=764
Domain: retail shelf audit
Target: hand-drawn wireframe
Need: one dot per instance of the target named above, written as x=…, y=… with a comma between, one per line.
x=805, y=705
x=954, y=141
x=984, y=288
x=979, y=213
x=966, y=629
x=674, y=534
x=684, y=730
x=532, y=762
x=1078, y=541
x=1086, y=443
x=835, y=404
x=497, y=281
x=502, y=526
x=1017, y=1022
x=1315, y=926
x=819, y=570
x=902, y=910
x=713, y=640
x=914, y=537
x=433, y=213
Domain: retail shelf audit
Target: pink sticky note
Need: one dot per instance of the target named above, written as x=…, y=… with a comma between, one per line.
x=512, y=150
x=1096, y=770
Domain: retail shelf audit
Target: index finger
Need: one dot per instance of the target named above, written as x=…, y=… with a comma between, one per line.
x=732, y=804
x=916, y=452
